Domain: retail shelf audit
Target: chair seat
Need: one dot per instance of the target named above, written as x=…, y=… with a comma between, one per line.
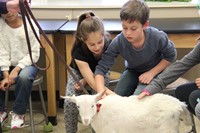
x=114, y=78
x=37, y=82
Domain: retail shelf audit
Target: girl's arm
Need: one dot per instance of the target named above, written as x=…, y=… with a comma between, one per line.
x=88, y=76
x=86, y=72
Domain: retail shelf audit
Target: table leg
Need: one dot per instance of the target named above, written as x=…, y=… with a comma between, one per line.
x=51, y=84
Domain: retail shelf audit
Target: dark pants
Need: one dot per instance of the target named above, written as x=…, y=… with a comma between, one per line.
x=190, y=94
x=0, y=128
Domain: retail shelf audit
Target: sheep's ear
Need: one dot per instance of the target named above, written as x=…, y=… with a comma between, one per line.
x=71, y=98
x=100, y=95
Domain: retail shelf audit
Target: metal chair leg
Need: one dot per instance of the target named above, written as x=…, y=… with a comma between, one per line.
x=43, y=103
x=6, y=97
x=31, y=116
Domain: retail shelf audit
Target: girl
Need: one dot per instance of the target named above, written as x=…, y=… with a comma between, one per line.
x=90, y=43
x=16, y=66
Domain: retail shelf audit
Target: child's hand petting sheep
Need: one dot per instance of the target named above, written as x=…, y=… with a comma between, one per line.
x=109, y=92
x=143, y=94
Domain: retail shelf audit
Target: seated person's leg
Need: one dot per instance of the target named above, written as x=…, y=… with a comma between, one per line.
x=183, y=92
x=23, y=88
x=127, y=83
x=197, y=110
x=194, y=100
x=3, y=110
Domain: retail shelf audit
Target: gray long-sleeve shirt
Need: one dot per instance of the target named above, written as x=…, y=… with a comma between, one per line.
x=175, y=70
x=156, y=47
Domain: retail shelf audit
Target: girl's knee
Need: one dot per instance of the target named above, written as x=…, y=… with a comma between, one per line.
x=197, y=110
x=28, y=72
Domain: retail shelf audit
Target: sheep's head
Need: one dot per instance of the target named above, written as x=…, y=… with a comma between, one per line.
x=87, y=105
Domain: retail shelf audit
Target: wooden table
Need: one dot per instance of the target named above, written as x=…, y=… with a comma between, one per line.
x=51, y=27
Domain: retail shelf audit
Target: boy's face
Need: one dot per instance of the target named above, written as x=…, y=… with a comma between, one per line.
x=133, y=31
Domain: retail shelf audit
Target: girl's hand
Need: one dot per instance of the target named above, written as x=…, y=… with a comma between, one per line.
x=4, y=84
x=78, y=87
x=141, y=95
x=13, y=74
x=197, y=81
x=146, y=78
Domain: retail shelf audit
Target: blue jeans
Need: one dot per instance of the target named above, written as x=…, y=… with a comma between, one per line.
x=23, y=88
x=127, y=83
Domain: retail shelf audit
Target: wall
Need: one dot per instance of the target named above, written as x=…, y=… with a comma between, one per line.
x=158, y=10
x=59, y=9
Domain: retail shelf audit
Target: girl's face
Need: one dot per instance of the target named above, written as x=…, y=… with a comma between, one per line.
x=95, y=43
x=134, y=31
x=9, y=17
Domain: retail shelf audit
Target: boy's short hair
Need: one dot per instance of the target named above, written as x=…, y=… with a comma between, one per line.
x=135, y=10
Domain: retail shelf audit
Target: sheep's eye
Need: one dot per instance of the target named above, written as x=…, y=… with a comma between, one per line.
x=92, y=106
x=78, y=107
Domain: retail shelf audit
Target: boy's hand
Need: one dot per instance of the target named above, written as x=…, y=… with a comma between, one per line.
x=146, y=77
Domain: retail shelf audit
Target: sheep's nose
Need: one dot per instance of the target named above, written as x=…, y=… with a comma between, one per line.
x=86, y=122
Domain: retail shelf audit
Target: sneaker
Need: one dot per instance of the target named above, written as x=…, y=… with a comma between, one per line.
x=17, y=120
x=3, y=117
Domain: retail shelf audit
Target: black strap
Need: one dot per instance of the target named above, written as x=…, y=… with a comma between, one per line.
x=26, y=13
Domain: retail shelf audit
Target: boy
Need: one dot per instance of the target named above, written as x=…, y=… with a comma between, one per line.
x=146, y=50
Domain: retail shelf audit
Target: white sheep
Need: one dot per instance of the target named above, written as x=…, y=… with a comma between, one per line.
x=159, y=113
